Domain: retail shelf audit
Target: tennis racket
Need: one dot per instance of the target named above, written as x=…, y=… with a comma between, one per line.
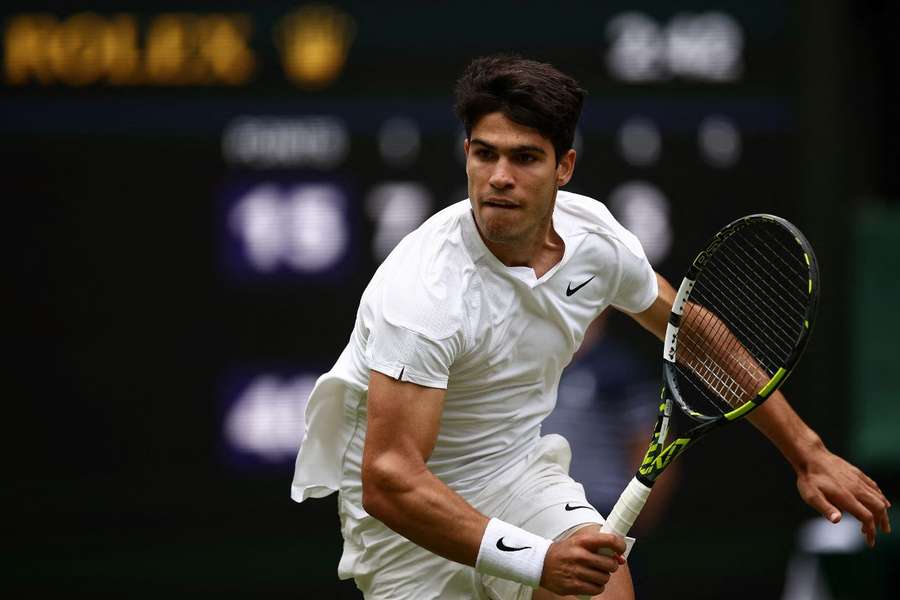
x=740, y=322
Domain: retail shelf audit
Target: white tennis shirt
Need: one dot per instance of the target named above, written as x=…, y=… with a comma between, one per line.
x=442, y=311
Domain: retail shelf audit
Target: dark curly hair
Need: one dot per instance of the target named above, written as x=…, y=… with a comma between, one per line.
x=527, y=92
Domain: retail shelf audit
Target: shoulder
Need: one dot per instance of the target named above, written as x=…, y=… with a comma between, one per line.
x=610, y=248
x=423, y=282
x=588, y=215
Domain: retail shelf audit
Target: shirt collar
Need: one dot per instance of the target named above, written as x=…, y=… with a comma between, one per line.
x=479, y=251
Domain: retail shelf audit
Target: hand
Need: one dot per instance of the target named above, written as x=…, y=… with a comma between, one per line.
x=573, y=565
x=830, y=485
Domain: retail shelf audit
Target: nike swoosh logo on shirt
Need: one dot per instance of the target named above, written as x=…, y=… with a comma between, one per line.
x=571, y=290
x=577, y=507
x=506, y=548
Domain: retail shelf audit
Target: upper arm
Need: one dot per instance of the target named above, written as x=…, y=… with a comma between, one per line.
x=655, y=318
x=404, y=419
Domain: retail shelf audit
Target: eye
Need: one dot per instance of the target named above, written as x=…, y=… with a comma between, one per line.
x=484, y=153
x=525, y=159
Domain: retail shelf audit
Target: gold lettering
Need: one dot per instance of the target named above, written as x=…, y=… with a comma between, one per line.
x=314, y=43
x=75, y=49
x=120, y=49
x=84, y=49
x=225, y=48
x=25, y=55
x=166, y=51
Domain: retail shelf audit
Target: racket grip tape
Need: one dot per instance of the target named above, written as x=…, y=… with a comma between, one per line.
x=624, y=513
x=627, y=508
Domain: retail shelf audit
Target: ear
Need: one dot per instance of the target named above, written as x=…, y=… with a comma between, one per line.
x=565, y=168
x=466, y=146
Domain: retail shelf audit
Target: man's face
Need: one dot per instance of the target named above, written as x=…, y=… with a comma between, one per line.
x=513, y=178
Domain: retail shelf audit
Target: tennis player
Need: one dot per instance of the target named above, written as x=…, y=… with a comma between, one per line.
x=429, y=424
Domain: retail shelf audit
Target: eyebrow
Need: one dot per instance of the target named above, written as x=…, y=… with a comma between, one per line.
x=524, y=148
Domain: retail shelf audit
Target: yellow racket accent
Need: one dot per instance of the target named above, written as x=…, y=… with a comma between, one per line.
x=779, y=374
x=657, y=462
x=740, y=411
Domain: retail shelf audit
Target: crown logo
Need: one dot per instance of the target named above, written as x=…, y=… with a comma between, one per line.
x=314, y=41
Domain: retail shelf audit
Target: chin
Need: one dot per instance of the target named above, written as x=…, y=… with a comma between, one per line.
x=499, y=233
x=501, y=226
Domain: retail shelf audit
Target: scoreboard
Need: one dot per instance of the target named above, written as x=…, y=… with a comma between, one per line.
x=240, y=173
x=199, y=192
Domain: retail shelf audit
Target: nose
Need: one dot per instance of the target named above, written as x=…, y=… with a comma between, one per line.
x=501, y=177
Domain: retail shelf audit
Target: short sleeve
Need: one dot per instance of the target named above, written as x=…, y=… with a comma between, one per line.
x=637, y=287
x=406, y=355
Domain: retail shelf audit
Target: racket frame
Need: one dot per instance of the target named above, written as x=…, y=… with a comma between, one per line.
x=660, y=455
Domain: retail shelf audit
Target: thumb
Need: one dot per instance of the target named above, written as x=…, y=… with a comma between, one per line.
x=825, y=508
x=610, y=541
x=589, y=539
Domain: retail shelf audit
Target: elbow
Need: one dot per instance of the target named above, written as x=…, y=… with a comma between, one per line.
x=372, y=495
x=383, y=482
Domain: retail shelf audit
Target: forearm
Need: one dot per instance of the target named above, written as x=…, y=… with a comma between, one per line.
x=707, y=347
x=786, y=430
x=825, y=481
x=398, y=489
x=420, y=507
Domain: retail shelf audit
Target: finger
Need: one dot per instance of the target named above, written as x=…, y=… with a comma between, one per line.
x=882, y=520
x=858, y=510
x=876, y=489
x=874, y=507
x=863, y=514
x=588, y=581
x=869, y=535
x=613, y=542
x=595, y=577
x=871, y=482
x=825, y=508
x=600, y=562
x=878, y=506
x=873, y=500
x=590, y=591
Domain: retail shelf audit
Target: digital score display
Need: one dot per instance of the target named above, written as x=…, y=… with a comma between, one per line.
x=263, y=418
x=171, y=49
x=311, y=139
x=273, y=228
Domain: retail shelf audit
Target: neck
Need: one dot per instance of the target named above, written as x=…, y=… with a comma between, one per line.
x=540, y=250
x=523, y=252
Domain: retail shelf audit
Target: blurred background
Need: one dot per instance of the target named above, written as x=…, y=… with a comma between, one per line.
x=197, y=193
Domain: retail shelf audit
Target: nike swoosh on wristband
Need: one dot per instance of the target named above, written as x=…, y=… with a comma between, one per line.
x=506, y=548
x=570, y=290
x=577, y=507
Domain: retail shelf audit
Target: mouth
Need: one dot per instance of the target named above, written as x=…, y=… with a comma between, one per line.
x=500, y=203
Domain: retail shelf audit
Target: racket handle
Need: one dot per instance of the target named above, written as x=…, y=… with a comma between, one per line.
x=623, y=514
x=627, y=508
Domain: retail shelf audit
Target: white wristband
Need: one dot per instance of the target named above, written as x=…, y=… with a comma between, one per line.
x=512, y=553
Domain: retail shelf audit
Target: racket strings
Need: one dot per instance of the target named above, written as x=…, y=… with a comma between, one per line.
x=741, y=311
x=791, y=293
x=737, y=270
x=708, y=359
x=789, y=300
x=799, y=266
x=736, y=310
x=757, y=294
x=743, y=258
x=744, y=316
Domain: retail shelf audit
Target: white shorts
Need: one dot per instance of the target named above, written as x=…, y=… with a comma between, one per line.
x=543, y=500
